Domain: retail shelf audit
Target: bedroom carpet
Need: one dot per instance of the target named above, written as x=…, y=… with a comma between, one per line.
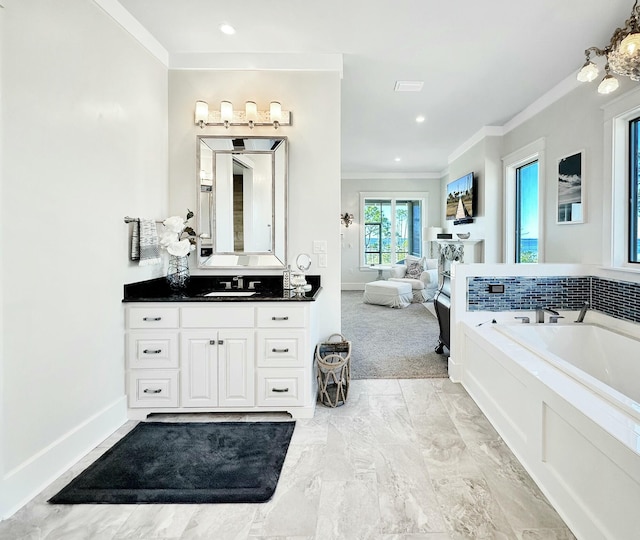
x=157, y=462
x=390, y=343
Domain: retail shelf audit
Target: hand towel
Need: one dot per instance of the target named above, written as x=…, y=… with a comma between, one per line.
x=144, y=239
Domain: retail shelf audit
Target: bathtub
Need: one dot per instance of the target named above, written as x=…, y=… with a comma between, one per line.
x=605, y=361
x=565, y=398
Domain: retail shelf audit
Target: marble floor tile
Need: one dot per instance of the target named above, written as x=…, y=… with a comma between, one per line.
x=401, y=460
x=525, y=505
x=407, y=500
x=156, y=521
x=470, y=511
x=220, y=521
x=349, y=510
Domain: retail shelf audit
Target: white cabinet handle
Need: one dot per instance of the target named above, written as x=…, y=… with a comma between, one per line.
x=279, y=318
x=152, y=351
x=280, y=350
x=150, y=391
x=280, y=390
x=152, y=319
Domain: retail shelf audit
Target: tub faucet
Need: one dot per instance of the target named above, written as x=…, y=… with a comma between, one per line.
x=239, y=281
x=540, y=314
x=583, y=312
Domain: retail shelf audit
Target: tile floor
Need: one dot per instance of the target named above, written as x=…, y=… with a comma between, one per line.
x=402, y=460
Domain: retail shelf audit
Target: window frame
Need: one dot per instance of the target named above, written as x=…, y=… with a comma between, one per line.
x=633, y=181
x=392, y=197
x=534, y=151
x=617, y=117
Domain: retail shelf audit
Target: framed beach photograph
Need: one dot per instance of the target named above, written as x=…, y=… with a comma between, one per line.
x=571, y=203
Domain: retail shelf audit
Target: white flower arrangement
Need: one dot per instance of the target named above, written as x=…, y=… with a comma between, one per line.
x=178, y=238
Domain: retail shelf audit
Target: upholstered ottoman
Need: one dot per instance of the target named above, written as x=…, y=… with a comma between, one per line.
x=388, y=293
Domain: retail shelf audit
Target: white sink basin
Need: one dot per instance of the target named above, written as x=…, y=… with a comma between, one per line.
x=231, y=293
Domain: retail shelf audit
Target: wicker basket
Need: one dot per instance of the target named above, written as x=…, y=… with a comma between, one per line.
x=333, y=370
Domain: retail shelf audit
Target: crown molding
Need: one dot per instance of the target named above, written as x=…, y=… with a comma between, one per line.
x=114, y=9
x=564, y=87
x=257, y=61
x=390, y=176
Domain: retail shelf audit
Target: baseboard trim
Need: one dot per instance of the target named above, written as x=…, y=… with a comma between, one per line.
x=25, y=481
x=353, y=286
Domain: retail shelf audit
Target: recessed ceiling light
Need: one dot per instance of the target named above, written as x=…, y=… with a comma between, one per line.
x=397, y=159
x=420, y=118
x=227, y=29
x=408, y=86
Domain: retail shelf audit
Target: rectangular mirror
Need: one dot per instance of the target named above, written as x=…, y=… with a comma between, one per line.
x=242, y=202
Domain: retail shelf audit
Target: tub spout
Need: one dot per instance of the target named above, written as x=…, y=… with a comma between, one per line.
x=583, y=312
x=540, y=314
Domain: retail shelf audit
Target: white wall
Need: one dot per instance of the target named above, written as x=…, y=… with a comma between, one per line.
x=483, y=159
x=352, y=276
x=570, y=124
x=84, y=142
x=314, y=157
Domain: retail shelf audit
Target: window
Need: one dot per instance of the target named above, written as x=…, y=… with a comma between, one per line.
x=523, y=191
x=634, y=191
x=392, y=228
x=526, y=210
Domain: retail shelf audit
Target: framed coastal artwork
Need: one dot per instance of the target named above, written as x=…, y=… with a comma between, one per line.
x=571, y=203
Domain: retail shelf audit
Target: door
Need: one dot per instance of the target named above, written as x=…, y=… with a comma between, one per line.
x=236, y=371
x=199, y=368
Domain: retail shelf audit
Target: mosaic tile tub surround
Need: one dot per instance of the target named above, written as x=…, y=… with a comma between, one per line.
x=620, y=299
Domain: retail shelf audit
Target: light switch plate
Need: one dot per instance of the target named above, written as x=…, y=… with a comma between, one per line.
x=319, y=246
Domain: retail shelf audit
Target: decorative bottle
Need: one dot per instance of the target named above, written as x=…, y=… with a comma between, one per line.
x=286, y=278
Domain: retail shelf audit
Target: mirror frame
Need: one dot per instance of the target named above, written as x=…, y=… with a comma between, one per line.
x=277, y=258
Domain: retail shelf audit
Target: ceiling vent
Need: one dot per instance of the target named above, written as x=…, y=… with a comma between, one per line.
x=409, y=86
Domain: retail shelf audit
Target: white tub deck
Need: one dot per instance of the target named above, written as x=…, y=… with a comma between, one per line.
x=578, y=438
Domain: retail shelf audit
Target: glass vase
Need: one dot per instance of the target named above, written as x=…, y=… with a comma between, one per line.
x=178, y=272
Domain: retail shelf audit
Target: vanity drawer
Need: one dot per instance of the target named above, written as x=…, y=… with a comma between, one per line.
x=227, y=316
x=282, y=317
x=280, y=387
x=280, y=348
x=153, y=388
x=153, y=317
x=152, y=350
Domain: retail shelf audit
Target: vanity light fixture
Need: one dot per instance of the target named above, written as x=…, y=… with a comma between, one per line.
x=251, y=111
x=226, y=112
x=202, y=113
x=346, y=219
x=251, y=116
x=622, y=55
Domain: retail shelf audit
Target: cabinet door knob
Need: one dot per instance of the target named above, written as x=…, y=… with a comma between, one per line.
x=151, y=318
x=212, y=342
x=220, y=342
x=280, y=350
x=152, y=391
x=279, y=318
x=152, y=351
x=280, y=390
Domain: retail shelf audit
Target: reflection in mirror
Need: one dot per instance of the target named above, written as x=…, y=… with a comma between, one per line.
x=242, y=190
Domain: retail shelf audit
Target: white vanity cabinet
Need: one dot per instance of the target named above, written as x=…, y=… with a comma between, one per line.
x=222, y=356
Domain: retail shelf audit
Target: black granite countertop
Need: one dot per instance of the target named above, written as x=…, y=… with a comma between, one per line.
x=269, y=289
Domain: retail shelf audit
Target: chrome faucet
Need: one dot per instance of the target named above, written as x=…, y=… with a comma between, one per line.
x=239, y=281
x=540, y=314
x=583, y=312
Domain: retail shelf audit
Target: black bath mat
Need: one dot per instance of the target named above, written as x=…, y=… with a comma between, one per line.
x=216, y=462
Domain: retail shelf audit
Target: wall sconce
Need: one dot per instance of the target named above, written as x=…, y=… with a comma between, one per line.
x=346, y=219
x=251, y=116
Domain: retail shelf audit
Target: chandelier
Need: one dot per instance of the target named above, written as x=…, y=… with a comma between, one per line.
x=622, y=55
